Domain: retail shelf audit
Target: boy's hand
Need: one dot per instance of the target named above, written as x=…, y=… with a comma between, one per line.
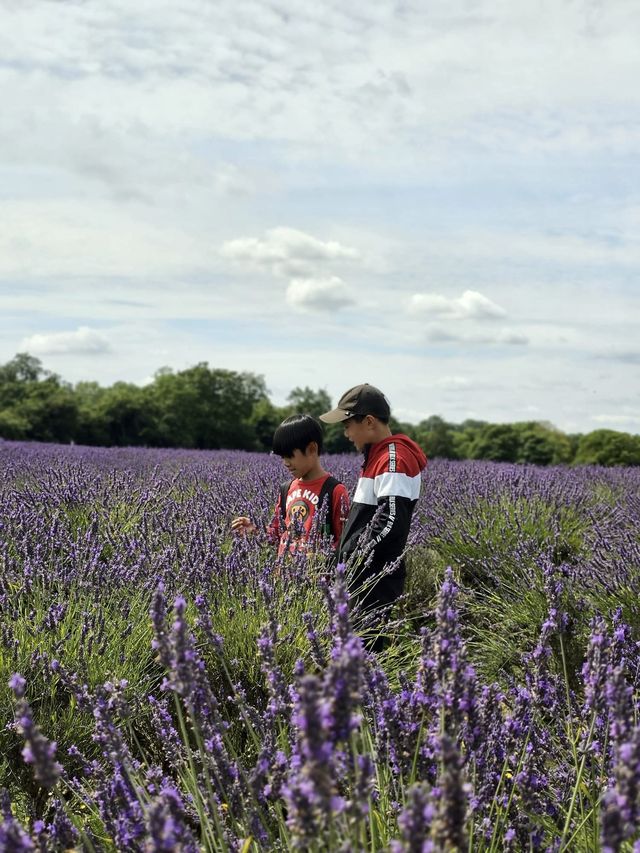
x=243, y=525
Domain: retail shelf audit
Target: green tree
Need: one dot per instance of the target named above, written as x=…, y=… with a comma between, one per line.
x=124, y=416
x=22, y=368
x=34, y=403
x=608, y=447
x=403, y=427
x=306, y=401
x=436, y=437
x=15, y=378
x=91, y=428
x=205, y=407
x=542, y=444
x=464, y=437
x=535, y=448
x=13, y=425
x=264, y=420
x=335, y=441
x=51, y=410
x=496, y=442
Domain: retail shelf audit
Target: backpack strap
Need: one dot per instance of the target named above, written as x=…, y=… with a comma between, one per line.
x=284, y=491
x=326, y=492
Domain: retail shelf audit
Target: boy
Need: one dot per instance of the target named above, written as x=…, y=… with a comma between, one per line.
x=298, y=440
x=386, y=493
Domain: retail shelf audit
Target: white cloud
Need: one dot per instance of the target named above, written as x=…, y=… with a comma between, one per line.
x=318, y=294
x=437, y=333
x=230, y=180
x=84, y=341
x=621, y=420
x=506, y=336
x=477, y=140
x=60, y=237
x=558, y=248
x=625, y=357
x=455, y=382
x=501, y=74
x=302, y=258
x=287, y=251
x=470, y=306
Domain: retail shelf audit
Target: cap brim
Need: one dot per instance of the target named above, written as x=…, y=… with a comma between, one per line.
x=334, y=416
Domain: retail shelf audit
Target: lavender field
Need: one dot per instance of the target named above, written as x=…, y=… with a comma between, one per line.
x=165, y=686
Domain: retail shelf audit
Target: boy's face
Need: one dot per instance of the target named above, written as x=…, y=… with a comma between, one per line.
x=358, y=432
x=301, y=462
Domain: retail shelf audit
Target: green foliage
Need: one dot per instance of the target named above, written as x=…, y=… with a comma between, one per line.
x=305, y=401
x=335, y=440
x=120, y=649
x=437, y=437
x=497, y=443
x=608, y=447
x=542, y=444
x=497, y=551
x=425, y=572
x=127, y=415
x=529, y=442
x=22, y=368
x=265, y=419
x=206, y=408
x=92, y=429
x=35, y=404
x=14, y=424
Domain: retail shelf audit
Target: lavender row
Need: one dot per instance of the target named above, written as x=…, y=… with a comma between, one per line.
x=245, y=713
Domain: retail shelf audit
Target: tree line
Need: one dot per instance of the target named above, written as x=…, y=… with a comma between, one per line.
x=210, y=408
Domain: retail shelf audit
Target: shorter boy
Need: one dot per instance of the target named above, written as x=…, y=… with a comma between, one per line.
x=298, y=440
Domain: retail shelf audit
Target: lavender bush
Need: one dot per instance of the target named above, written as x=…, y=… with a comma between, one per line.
x=164, y=686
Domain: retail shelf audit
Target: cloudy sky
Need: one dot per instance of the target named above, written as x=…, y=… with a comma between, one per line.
x=442, y=198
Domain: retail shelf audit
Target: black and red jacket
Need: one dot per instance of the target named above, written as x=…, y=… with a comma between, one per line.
x=385, y=496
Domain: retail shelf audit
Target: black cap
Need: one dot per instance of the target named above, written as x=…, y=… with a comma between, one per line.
x=359, y=400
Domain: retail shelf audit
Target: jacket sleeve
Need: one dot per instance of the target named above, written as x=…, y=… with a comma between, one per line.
x=389, y=528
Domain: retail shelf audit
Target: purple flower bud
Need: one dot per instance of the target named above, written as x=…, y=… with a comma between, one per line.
x=17, y=683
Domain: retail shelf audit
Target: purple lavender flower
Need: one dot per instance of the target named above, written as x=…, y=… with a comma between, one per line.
x=342, y=684
x=449, y=653
x=165, y=821
x=17, y=683
x=13, y=838
x=279, y=702
x=620, y=813
x=98, y=524
x=38, y=750
x=448, y=828
x=62, y=833
x=613, y=829
x=363, y=788
x=340, y=622
x=317, y=652
x=310, y=792
x=415, y=822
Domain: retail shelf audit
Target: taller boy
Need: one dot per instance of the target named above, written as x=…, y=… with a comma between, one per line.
x=386, y=493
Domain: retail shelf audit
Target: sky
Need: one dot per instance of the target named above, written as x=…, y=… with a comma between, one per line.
x=441, y=199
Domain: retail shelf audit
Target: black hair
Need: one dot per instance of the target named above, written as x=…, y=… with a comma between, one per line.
x=296, y=433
